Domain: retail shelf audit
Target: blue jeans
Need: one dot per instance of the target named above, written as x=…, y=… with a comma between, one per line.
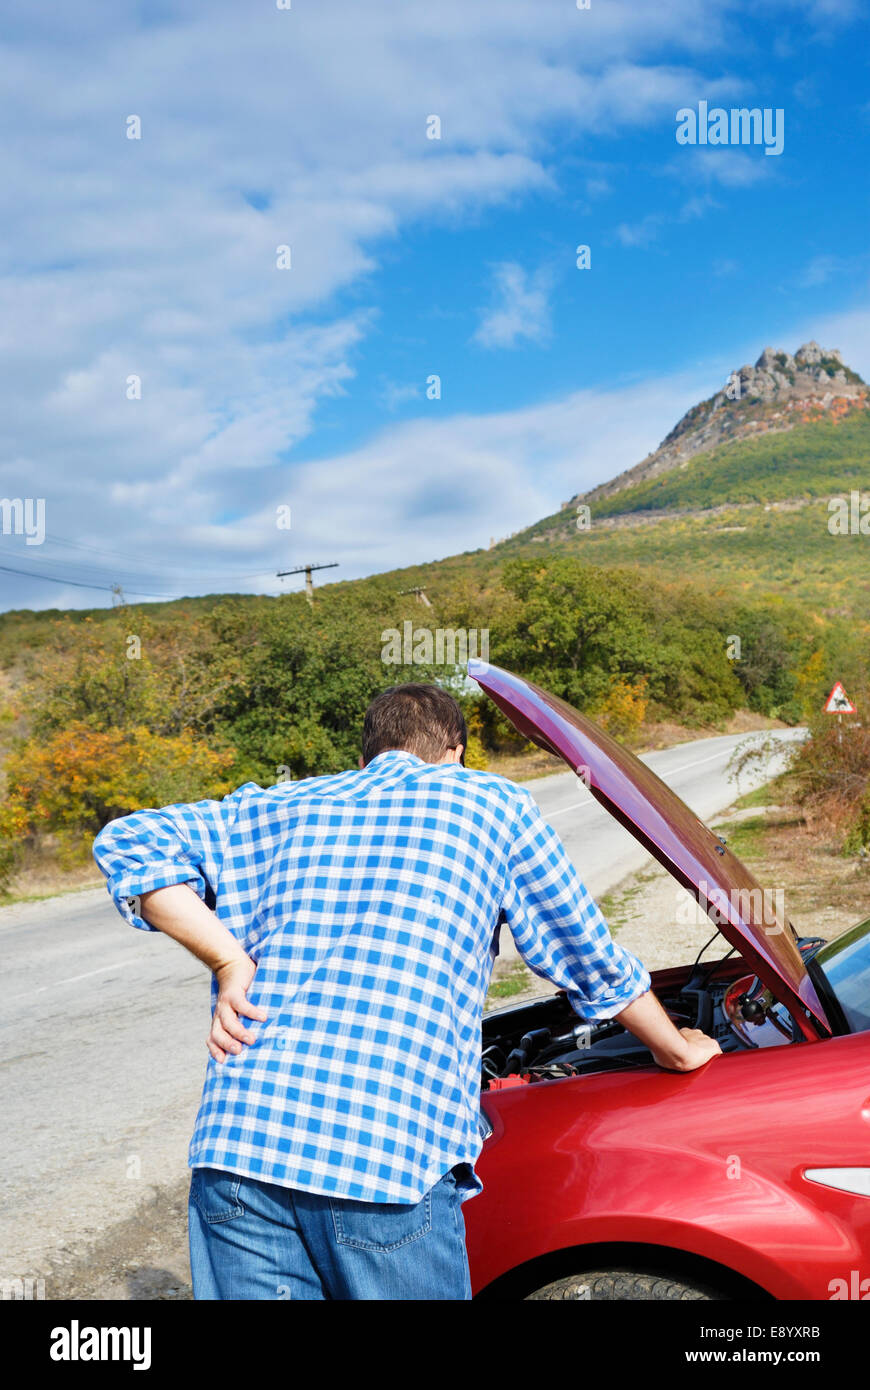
x=252, y=1239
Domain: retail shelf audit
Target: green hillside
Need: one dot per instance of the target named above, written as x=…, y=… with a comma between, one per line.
x=748, y=519
x=746, y=551
x=812, y=460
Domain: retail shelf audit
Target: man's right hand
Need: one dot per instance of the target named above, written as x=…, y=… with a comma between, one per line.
x=699, y=1049
x=675, y=1049
x=228, y=1033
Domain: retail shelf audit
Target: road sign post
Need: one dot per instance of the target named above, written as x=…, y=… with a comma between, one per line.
x=838, y=703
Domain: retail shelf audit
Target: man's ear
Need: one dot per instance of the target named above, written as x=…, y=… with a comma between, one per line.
x=361, y=763
x=455, y=754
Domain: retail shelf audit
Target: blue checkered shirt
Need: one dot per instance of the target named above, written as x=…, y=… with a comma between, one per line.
x=369, y=902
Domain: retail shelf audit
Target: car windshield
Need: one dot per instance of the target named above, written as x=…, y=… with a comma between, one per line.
x=846, y=966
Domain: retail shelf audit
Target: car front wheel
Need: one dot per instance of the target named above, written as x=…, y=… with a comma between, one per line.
x=623, y=1284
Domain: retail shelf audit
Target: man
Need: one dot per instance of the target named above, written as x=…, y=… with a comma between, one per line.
x=349, y=922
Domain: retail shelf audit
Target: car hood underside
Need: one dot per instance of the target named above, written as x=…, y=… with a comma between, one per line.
x=699, y=860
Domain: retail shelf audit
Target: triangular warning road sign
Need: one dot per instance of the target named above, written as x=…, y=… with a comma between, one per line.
x=838, y=701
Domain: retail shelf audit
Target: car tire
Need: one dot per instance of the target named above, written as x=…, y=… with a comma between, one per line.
x=623, y=1284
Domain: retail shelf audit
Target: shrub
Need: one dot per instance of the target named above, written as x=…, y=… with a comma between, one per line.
x=832, y=772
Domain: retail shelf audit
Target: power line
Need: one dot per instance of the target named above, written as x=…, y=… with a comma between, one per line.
x=94, y=571
x=108, y=581
x=100, y=550
x=129, y=581
x=79, y=584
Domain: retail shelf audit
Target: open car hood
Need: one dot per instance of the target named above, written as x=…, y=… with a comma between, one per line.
x=664, y=825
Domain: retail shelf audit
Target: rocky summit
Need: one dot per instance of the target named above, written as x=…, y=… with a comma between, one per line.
x=779, y=392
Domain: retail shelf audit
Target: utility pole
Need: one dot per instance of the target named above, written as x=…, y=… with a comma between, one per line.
x=421, y=595
x=306, y=570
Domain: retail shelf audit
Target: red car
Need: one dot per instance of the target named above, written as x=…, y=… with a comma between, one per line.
x=606, y=1177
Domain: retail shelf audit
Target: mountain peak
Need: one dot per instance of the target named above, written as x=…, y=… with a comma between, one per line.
x=777, y=393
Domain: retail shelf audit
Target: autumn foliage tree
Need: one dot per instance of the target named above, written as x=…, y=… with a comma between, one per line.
x=72, y=783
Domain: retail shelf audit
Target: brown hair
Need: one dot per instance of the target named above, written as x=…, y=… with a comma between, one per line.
x=421, y=719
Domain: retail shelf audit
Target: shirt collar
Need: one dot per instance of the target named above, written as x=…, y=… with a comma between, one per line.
x=392, y=755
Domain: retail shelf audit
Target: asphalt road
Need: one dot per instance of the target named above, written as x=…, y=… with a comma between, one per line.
x=103, y=1030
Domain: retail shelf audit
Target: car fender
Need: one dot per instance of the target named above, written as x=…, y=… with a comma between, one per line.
x=708, y=1163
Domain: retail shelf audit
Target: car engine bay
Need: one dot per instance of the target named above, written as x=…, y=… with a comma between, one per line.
x=545, y=1039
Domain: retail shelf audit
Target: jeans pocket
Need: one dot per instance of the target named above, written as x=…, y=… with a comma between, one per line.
x=382, y=1226
x=216, y=1194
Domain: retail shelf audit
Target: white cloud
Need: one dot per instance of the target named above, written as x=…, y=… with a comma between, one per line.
x=819, y=270
x=430, y=487
x=640, y=233
x=697, y=207
x=396, y=393
x=826, y=12
x=520, y=308
x=806, y=91
x=433, y=486
x=730, y=166
x=645, y=231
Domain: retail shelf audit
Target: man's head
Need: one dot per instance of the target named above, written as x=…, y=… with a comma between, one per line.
x=421, y=719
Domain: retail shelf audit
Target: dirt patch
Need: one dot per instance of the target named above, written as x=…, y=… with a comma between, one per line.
x=142, y=1258
x=825, y=892
x=40, y=876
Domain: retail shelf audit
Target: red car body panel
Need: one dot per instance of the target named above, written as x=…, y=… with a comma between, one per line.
x=643, y=1157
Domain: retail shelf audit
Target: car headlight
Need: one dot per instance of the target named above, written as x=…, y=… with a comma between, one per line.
x=855, y=1180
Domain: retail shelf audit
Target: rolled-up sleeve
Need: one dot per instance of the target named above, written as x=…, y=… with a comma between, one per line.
x=149, y=849
x=558, y=928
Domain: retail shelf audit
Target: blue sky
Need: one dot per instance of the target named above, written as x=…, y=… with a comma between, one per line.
x=306, y=387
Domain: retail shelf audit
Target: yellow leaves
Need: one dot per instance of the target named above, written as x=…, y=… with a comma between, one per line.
x=623, y=709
